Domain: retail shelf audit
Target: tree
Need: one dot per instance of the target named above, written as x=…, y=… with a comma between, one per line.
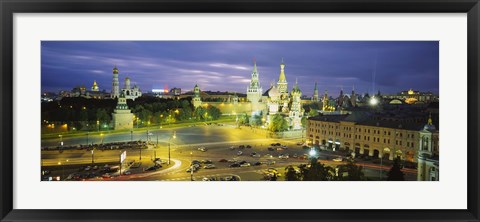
x=312, y=112
x=318, y=172
x=256, y=120
x=291, y=174
x=213, y=112
x=355, y=172
x=395, y=173
x=304, y=122
x=103, y=116
x=278, y=124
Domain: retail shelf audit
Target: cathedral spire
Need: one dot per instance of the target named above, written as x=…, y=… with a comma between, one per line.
x=254, y=64
x=430, y=119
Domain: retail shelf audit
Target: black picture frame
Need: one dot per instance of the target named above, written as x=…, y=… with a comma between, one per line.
x=9, y=7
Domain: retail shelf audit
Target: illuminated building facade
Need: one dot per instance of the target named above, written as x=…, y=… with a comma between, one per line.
x=414, y=97
x=377, y=135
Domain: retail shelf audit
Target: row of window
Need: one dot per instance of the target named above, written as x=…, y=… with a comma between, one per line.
x=365, y=130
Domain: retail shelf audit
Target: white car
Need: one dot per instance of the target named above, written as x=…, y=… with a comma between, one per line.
x=209, y=166
x=239, y=153
x=338, y=159
x=245, y=165
x=203, y=149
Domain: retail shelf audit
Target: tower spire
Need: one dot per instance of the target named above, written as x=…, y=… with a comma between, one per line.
x=430, y=119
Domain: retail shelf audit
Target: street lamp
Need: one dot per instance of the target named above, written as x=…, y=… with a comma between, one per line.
x=93, y=157
x=161, y=117
x=98, y=126
x=61, y=140
x=191, y=167
x=169, y=142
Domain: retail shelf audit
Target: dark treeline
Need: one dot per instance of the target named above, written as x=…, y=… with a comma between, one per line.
x=83, y=113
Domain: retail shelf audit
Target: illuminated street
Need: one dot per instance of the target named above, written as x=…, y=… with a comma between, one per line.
x=184, y=149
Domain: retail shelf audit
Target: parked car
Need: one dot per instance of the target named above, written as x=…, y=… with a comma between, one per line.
x=245, y=165
x=248, y=146
x=209, y=166
x=241, y=146
x=257, y=164
x=239, y=153
x=206, y=161
x=223, y=161
x=202, y=149
x=271, y=149
x=235, y=165
x=338, y=159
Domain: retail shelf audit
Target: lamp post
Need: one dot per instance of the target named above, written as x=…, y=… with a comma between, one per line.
x=131, y=135
x=191, y=166
x=169, y=142
x=98, y=126
x=160, y=123
x=92, y=157
x=61, y=141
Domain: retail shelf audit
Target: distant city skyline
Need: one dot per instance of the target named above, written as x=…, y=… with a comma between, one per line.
x=369, y=66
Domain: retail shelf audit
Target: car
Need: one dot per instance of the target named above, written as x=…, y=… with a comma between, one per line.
x=232, y=178
x=271, y=149
x=87, y=168
x=95, y=167
x=268, y=156
x=338, y=159
x=152, y=168
x=245, y=165
x=257, y=164
x=285, y=156
x=270, y=162
x=223, y=161
x=231, y=161
x=248, y=146
x=256, y=155
x=196, y=162
x=206, y=161
x=253, y=154
x=278, y=144
x=232, y=147
x=107, y=175
x=235, y=165
x=202, y=149
x=239, y=153
x=242, y=162
x=241, y=146
x=295, y=155
x=192, y=168
x=209, y=166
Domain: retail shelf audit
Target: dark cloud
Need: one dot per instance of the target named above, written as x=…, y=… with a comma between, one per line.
x=227, y=65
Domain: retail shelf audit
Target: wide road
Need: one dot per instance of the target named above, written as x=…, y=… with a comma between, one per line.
x=218, y=141
x=184, y=136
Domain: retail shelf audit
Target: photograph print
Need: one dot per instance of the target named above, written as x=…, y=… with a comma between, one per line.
x=239, y=111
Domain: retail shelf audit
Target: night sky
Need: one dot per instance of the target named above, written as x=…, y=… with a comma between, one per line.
x=227, y=65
